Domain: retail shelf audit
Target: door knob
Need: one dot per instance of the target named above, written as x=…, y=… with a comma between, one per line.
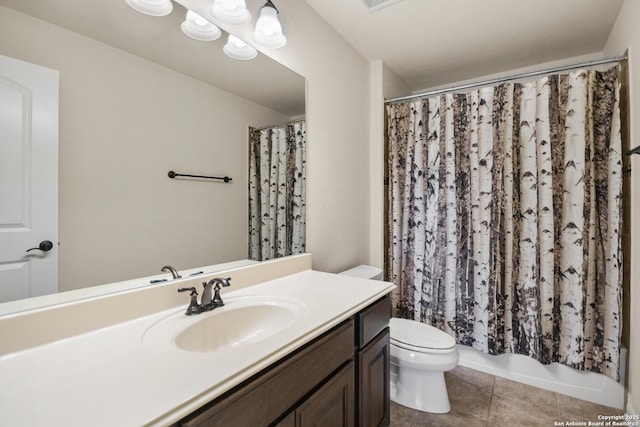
x=45, y=246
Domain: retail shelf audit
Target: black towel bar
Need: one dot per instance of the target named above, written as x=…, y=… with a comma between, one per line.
x=173, y=174
x=634, y=151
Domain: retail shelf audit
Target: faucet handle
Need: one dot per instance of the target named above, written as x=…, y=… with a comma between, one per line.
x=217, y=299
x=194, y=307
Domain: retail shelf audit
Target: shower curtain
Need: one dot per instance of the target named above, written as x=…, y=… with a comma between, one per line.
x=277, y=191
x=506, y=217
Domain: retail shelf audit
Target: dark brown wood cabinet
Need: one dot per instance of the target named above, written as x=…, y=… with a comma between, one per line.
x=340, y=379
x=373, y=365
x=374, y=387
x=332, y=405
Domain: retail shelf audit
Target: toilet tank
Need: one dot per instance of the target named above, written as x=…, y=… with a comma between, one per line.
x=364, y=272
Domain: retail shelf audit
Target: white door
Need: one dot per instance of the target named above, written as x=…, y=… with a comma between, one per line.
x=28, y=179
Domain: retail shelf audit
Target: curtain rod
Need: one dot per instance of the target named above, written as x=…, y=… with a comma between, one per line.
x=279, y=124
x=508, y=79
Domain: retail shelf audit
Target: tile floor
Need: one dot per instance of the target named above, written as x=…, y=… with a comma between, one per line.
x=479, y=399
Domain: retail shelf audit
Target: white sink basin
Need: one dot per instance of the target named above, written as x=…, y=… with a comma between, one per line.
x=240, y=322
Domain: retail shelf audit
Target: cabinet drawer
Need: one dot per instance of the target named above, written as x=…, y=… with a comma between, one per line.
x=263, y=400
x=373, y=320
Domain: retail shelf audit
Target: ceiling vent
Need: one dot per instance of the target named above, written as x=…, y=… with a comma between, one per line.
x=374, y=5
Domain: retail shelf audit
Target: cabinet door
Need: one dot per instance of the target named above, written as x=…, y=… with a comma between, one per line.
x=332, y=405
x=374, y=365
x=289, y=421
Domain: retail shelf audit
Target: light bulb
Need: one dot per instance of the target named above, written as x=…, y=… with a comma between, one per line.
x=238, y=49
x=231, y=11
x=196, y=27
x=268, y=31
x=152, y=7
x=197, y=19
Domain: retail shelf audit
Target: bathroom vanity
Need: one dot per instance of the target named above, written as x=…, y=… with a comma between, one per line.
x=290, y=347
x=339, y=379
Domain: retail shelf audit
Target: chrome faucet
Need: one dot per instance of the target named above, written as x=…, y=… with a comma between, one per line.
x=173, y=271
x=207, y=302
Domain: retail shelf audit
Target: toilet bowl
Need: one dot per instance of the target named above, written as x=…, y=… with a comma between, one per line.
x=420, y=355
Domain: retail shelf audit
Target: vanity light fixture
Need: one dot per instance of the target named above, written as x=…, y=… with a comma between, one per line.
x=266, y=34
x=268, y=31
x=231, y=11
x=198, y=28
x=152, y=7
x=237, y=49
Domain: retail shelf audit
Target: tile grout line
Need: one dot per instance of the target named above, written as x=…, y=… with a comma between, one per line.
x=493, y=386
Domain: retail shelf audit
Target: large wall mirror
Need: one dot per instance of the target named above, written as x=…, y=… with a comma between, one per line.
x=137, y=98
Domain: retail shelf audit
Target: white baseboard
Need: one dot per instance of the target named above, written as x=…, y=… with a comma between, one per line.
x=629, y=409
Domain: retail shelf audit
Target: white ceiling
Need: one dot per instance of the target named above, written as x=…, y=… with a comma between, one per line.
x=160, y=40
x=431, y=43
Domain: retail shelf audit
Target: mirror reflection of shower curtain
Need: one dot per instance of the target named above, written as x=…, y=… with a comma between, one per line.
x=277, y=191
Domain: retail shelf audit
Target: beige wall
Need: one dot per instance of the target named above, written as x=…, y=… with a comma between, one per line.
x=625, y=35
x=337, y=115
x=124, y=123
x=338, y=138
x=385, y=84
x=376, y=166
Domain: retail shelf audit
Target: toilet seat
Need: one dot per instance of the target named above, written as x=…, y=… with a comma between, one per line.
x=419, y=337
x=423, y=350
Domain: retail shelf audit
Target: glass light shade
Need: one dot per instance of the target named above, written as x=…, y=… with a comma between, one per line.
x=268, y=31
x=152, y=7
x=237, y=49
x=231, y=11
x=196, y=27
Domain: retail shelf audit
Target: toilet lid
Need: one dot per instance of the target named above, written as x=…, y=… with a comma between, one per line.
x=415, y=334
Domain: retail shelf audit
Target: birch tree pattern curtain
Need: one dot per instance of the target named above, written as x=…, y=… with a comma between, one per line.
x=506, y=217
x=277, y=191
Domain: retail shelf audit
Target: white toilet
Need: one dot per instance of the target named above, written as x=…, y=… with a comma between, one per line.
x=420, y=355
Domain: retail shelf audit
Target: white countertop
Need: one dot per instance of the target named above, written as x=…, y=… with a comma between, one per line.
x=110, y=377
